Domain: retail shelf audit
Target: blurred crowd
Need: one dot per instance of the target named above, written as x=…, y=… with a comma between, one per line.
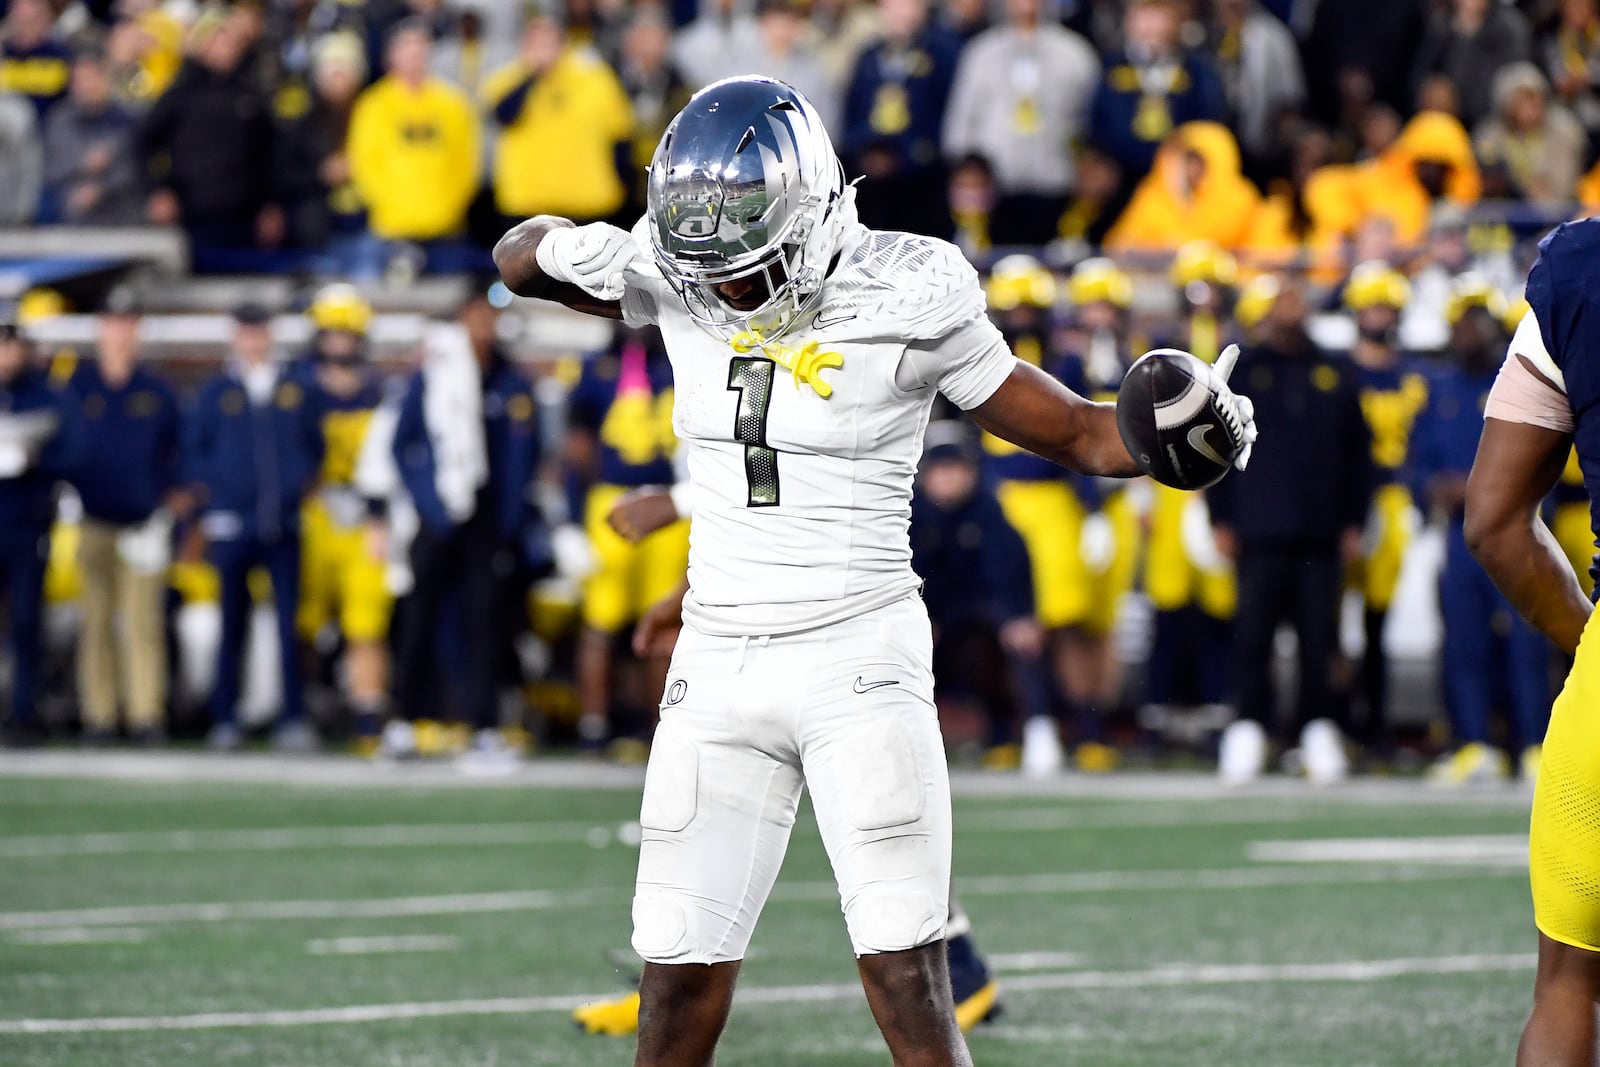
x=376, y=136
x=448, y=555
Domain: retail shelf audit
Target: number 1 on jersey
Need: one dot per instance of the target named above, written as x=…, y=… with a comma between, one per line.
x=751, y=377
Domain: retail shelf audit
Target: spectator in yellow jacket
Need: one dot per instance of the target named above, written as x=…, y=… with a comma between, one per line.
x=565, y=125
x=1431, y=161
x=1305, y=217
x=414, y=146
x=1194, y=193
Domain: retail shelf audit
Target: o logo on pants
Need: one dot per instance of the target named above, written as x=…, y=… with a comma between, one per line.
x=676, y=692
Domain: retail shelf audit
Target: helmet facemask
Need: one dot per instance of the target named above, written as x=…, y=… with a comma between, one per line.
x=760, y=202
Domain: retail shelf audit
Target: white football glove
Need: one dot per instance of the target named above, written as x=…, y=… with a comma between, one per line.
x=1238, y=413
x=592, y=257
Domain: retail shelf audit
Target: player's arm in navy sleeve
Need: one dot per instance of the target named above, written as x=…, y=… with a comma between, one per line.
x=1521, y=455
x=413, y=458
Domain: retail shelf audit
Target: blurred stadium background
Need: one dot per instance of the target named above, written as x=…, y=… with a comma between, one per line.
x=1353, y=189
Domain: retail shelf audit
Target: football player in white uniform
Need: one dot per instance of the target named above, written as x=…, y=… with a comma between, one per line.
x=806, y=352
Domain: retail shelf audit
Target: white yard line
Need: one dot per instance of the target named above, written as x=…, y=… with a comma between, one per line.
x=369, y=946
x=1509, y=850
x=599, y=834
x=1173, y=975
x=246, y=911
x=77, y=935
x=1145, y=816
x=343, y=772
x=1017, y=962
x=540, y=900
x=397, y=835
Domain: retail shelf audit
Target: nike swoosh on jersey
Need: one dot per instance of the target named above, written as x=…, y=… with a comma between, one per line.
x=820, y=323
x=863, y=686
x=1198, y=442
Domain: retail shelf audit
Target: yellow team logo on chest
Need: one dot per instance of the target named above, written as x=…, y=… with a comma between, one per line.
x=805, y=364
x=1391, y=413
x=639, y=427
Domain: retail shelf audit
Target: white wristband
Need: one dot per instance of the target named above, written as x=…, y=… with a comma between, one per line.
x=544, y=255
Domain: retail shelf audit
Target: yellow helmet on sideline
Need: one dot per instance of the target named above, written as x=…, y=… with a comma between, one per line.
x=1376, y=284
x=1204, y=261
x=1099, y=280
x=1256, y=301
x=1472, y=290
x=1021, y=281
x=341, y=307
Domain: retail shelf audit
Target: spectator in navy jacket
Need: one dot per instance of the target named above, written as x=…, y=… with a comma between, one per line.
x=467, y=449
x=893, y=117
x=40, y=440
x=1292, y=523
x=33, y=60
x=253, y=448
x=127, y=478
x=978, y=586
x=1151, y=87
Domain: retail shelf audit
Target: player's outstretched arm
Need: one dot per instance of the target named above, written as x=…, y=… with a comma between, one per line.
x=580, y=266
x=1517, y=466
x=1034, y=411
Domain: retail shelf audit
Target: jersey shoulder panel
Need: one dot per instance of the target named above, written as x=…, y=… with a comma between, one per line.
x=904, y=286
x=1559, y=283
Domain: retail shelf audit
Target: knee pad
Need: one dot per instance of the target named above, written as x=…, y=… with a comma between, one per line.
x=660, y=928
x=888, y=919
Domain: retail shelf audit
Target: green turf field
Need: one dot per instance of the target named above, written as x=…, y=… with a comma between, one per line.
x=346, y=917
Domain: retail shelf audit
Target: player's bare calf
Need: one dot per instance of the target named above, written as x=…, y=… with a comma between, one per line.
x=1566, y=993
x=909, y=993
x=682, y=1010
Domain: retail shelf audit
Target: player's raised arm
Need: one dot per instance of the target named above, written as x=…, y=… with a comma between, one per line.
x=1034, y=411
x=1526, y=439
x=1180, y=423
x=580, y=266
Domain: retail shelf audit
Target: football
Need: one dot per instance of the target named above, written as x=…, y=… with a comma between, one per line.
x=1169, y=422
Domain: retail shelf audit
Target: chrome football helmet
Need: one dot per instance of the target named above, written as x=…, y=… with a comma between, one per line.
x=745, y=187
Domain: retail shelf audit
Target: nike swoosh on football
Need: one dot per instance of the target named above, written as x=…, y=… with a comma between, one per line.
x=1198, y=442
x=863, y=686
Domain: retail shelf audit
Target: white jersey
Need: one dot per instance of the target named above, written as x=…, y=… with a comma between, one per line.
x=802, y=453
